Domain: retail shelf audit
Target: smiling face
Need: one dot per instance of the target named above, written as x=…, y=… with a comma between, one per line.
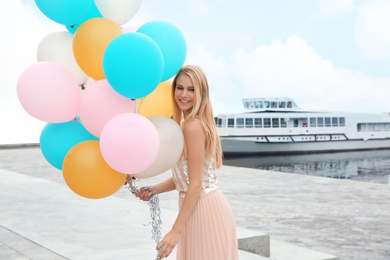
x=184, y=93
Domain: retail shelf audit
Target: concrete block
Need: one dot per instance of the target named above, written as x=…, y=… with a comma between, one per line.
x=253, y=242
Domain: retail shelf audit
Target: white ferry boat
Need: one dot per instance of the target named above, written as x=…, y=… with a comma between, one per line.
x=277, y=126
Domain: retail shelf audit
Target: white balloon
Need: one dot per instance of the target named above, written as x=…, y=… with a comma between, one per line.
x=171, y=146
x=119, y=11
x=57, y=47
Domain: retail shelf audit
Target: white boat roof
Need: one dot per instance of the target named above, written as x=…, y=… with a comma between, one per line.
x=274, y=104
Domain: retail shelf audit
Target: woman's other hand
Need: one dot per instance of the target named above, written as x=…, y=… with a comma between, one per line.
x=145, y=193
x=168, y=243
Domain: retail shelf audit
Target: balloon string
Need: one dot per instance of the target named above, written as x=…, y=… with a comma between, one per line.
x=137, y=108
x=155, y=211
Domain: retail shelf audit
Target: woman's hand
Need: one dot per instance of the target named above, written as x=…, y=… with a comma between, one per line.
x=168, y=243
x=145, y=193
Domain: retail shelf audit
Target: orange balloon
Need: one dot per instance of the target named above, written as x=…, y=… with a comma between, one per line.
x=157, y=103
x=87, y=174
x=90, y=42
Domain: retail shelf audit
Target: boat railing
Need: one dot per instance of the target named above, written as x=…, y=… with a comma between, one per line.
x=276, y=104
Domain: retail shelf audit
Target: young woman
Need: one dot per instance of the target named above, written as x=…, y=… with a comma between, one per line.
x=204, y=228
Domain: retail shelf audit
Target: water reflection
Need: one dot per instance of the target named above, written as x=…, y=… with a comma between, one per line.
x=371, y=166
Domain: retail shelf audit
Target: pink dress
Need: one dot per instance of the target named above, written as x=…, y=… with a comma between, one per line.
x=210, y=232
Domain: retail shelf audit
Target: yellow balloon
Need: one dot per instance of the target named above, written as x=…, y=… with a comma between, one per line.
x=87, y=174
x=90, y=42
x=157, y=103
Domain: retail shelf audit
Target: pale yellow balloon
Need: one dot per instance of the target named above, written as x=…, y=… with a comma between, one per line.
x=90, y=42
x=171, y=147
x=159, y=102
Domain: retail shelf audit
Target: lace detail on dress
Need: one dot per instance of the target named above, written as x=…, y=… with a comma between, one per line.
x=180, y=175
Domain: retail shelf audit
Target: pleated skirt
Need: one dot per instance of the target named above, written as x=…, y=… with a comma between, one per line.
x=210, y=232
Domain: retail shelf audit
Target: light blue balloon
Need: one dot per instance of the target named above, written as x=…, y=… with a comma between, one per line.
x=133, y=65
x=66, y=12
x=93, y=12
x=58, y=138
x=171, y=42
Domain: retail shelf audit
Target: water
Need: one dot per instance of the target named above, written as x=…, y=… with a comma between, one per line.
x=368, y=166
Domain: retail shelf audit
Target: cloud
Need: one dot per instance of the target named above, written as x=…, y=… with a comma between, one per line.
x=327, y=9
x=199, y=8
x=372, y=34
x=293, y=69
x=220, y=77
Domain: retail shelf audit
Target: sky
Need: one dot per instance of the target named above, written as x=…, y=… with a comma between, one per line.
x=328, y=55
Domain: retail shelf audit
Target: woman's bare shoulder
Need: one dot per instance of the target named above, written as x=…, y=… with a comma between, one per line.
x=193, y=125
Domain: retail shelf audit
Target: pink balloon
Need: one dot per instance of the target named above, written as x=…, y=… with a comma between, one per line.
x=129, y=143
x=49, y=92
x=99, y=102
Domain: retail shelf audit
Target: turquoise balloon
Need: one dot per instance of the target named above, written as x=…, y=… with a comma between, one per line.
x=93, y=12
x=58, y=138
x=171, y=42
x=133, y=65
x=66, y=12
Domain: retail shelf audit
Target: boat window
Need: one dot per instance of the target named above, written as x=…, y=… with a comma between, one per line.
x=296, y=121
x=231, y=123
x=377, y=127
x=249, y=122
x=289, y=104
x=320, y=122
x=274, y=104
x=224, y=122
x=250, y=104
x=283, y=122
x=275, y=122
x=313, y=122
x=267, y=122
x=327, y=121
x=282, y=104
x=219, y=122
x=266, y=104
x=258, y=122
x=259, y=104
x=342, y=121
x=240, y=122
x=335, y=121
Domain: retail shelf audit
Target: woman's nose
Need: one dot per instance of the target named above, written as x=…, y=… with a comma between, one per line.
x=184, y=93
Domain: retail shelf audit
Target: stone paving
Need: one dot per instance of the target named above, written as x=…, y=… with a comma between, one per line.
x=345, y=218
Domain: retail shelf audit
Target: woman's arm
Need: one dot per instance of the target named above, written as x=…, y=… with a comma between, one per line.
x=146, y=193
x=195, y=139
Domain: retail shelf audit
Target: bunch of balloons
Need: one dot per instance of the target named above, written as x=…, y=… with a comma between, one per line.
x=103, y=88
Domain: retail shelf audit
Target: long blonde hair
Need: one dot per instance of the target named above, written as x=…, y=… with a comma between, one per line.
x=201, y=110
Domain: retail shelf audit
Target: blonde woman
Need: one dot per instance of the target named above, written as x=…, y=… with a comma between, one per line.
x=204, y=228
